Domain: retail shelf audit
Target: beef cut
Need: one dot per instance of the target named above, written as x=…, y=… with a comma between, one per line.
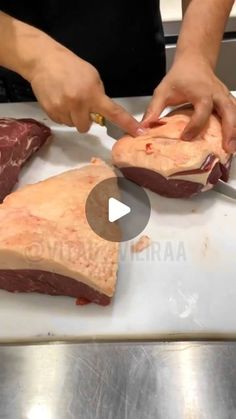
x=169, y=166
x=19, y=139
x=46, y=243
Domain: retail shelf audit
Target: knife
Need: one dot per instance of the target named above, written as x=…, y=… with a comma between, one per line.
x=112, y=130
x=225, y=189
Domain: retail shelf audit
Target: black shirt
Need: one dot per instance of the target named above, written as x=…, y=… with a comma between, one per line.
x=123, y=39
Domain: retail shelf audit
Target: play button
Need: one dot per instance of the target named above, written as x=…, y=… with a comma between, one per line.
x=117, y=209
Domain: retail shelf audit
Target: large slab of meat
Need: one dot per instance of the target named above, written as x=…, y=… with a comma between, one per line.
x=19, y=139
x=169, y=166
x=46, y=243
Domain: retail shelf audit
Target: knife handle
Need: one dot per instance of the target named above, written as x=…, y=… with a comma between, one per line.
x=99, y=119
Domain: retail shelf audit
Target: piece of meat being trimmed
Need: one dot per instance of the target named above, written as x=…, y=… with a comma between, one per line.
x=169, y=166
x=19, y=139
x=46, y=243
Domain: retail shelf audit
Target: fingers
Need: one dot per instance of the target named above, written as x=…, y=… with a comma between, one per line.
x=61, y=118
x=66, y=120
x=202, y=111
x=118, y=115
x=57, y=115
x=79, y=116
x=154, y=110
x=226, y=108
x=81, y=119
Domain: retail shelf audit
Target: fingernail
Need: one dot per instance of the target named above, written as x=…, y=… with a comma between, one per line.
x=141, y=131
x=232, y=146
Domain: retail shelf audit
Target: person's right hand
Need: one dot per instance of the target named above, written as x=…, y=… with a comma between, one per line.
x=69, y=89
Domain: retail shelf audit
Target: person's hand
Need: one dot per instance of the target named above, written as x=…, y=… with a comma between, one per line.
x=192, y=81
x=69, y=89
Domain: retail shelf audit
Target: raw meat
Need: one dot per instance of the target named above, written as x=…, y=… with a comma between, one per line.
x=169, y=166
x=19, y=139
x=46, y=243
x=142, y=243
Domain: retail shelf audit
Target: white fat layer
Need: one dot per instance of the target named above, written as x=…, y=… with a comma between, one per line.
x=194, y=177
x=201, y=177
x=197, y=177
x=207, y=187
x=149, y=162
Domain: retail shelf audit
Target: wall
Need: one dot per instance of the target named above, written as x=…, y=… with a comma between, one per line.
x=226, y=68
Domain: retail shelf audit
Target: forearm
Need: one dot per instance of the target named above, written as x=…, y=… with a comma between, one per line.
x=185, y=4
x=22, y=46
x=203, y=27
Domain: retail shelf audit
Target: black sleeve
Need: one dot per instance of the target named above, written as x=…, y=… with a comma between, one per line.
x=15, y=87
x=28, y=12
x=8, y=7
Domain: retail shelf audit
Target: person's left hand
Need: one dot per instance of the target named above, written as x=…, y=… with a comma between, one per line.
x=191, y=80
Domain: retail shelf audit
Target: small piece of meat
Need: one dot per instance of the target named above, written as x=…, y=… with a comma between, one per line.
x=82, y=301
x=162, y=162
x=19, y=139
x=149, y=148
x=141, y=244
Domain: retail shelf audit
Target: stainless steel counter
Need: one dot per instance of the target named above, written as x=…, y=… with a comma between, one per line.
x=176, y=380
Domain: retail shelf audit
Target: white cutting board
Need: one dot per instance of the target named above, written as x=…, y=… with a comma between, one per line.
x=184, y=284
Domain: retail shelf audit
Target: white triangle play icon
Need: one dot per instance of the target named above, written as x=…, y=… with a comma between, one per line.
x=117, y=210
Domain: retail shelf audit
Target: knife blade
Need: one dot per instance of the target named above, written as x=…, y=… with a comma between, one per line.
x=225, y=189
x=112, y=130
